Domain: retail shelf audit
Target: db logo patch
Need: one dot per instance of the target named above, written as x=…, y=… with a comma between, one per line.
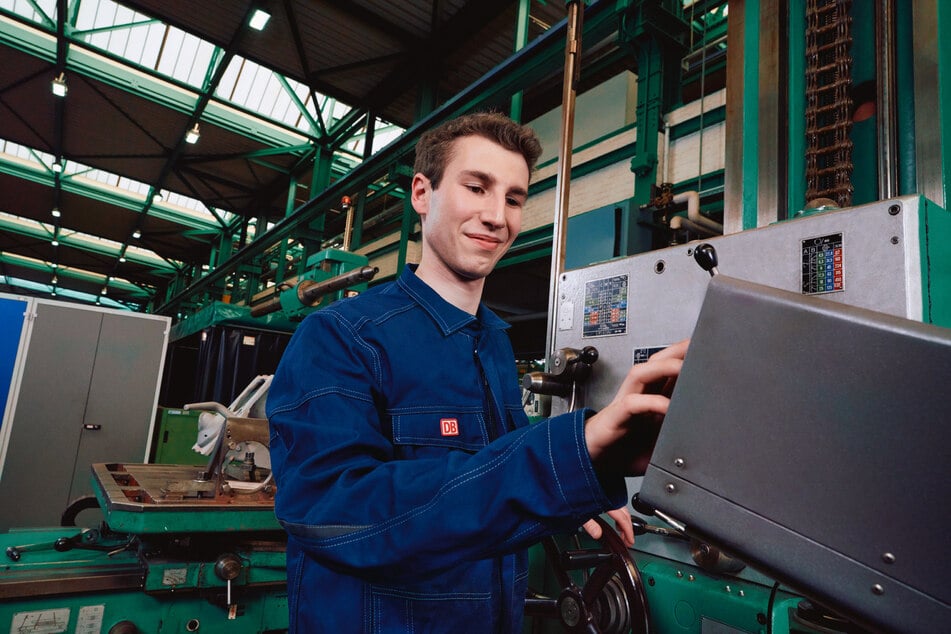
x=449, y=426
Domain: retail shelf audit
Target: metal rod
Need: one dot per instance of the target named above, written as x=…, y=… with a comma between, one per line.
x=348, y=227
x=560, y=222
x=885, y=106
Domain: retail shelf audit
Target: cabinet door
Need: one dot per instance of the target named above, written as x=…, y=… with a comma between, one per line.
x=47, y=423
x=117, y=426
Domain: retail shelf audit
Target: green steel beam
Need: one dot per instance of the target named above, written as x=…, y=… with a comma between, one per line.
x=45, y=176
x=76, y=274
x=750, y=96
x=796, y=79
x=656, y=33
x=315, y=127
x=47, y=20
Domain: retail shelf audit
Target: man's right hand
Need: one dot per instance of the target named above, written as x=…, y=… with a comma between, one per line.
x=621, y=437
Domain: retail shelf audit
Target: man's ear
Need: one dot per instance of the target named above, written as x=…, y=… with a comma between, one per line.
x=421, y=190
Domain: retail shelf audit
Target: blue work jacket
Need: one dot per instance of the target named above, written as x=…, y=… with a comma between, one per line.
x=410, y=482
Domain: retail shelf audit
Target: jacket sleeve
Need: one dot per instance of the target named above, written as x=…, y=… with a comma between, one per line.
x=351, y=505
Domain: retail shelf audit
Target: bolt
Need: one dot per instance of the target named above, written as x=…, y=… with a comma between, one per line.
x=877, y=589
x=729, y=589
x=742, y=594
x=680, y=575
x=894, y=210
x=670, y=488
x=691, y=578
x=894, y=240
x=679, y=463
x=888, y=558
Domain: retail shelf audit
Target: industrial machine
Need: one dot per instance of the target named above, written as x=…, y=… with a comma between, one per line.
x=180, y=548
x=883, y=262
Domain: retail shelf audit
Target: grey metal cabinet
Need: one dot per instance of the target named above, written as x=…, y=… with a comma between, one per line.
x=85, y=390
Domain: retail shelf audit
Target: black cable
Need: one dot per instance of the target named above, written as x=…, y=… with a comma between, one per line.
x=769, y=608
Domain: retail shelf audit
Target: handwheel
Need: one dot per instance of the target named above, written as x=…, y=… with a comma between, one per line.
x=68, y=518
x=611, y=598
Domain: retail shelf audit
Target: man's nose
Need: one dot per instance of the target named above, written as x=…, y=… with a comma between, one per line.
x=493, y=213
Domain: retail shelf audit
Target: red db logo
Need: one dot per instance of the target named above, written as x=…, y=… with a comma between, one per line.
x=449, y=426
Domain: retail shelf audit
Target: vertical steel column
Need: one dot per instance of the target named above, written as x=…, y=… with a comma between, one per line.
x=562, y=183
x=796, y=64
x=521, y=39
x=886, y=122
x=755, y=182
x=905, y=107
x=931, y=90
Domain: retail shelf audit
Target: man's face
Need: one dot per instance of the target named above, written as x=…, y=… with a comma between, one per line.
x=475, y=214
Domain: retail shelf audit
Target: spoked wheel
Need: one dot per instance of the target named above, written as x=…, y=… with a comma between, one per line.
x=610, y=598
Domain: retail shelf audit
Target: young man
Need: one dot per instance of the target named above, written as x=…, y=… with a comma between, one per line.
x=409, y=480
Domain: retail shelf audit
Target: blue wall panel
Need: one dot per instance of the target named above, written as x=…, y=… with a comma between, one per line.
x=11, y=325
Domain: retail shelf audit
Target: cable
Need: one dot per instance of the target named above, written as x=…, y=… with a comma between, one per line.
x=769, y=608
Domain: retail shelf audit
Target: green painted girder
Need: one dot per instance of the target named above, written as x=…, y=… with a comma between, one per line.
x=316, y=128
x=68, y=182
x=44, y=233
x=76, y=274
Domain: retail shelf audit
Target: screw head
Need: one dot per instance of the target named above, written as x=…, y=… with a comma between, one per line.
x=878, y=590
x=888, y=558
x=894, y=210
x=679, y=463
x=670, y=488
x=894, y=240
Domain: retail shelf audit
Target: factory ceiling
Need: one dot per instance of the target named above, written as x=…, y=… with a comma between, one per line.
x=104, y=196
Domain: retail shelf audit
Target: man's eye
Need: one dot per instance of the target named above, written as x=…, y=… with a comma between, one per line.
x=514, y=202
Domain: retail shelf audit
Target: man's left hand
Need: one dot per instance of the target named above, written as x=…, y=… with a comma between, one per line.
x=622, y=520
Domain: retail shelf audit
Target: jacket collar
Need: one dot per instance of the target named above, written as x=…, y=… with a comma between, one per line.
x=449, y=318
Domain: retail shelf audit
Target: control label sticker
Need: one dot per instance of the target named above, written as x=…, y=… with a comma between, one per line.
x=89, y=620
x=605, y=307
x=41, y=621
x=822, y=265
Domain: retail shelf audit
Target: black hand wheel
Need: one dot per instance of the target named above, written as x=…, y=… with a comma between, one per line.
x=610, y=599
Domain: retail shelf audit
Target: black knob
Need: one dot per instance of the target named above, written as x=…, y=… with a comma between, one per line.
x=706, y=256
x=640, y=505
x=589, y=354
x=228, y=567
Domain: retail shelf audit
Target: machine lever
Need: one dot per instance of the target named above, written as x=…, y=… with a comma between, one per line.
x=642, y=528
x=61, y=545
x=568, y=368
x=706, y=256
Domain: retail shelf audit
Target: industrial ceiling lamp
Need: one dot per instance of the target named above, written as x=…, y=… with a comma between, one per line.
x=56, y=213
x=259, y=19
x=192, y=135
x=57, y=167
x=136, y=234
x=59, y=85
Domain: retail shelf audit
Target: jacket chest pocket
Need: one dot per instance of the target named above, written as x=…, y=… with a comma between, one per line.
x=421, y=434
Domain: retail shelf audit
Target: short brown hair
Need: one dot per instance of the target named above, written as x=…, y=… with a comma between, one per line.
x=433, y=150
